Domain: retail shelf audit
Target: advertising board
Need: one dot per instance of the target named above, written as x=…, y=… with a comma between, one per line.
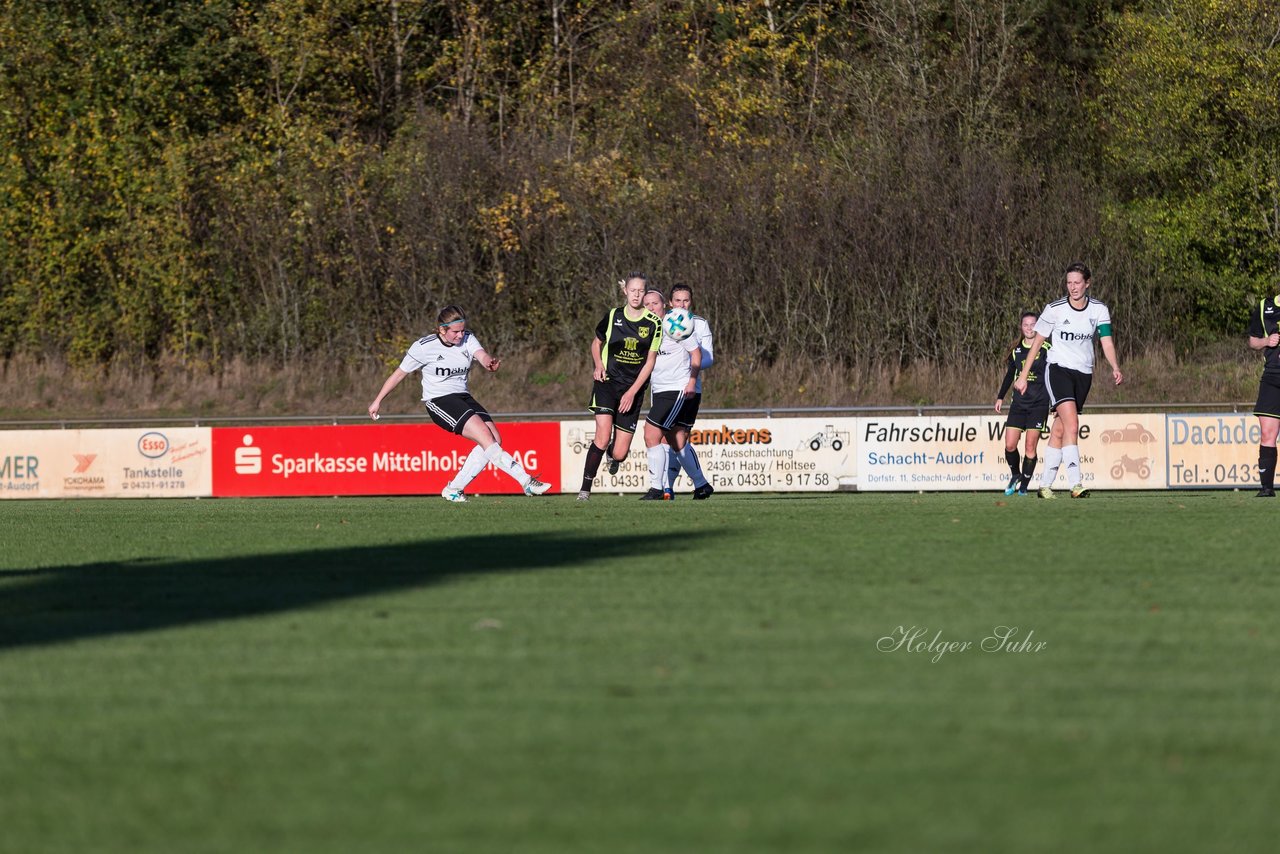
x=931, y=453
x=407, y=459
x=870, y=453
x=129, y=463
x=967, y=453
x=737, y=455
x=1212, y=451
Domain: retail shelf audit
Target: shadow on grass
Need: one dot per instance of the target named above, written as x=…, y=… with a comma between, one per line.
x=50, y=606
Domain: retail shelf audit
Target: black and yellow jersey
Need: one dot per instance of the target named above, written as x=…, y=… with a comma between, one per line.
x=1036, y=392
x=627, y=343
x=1264, y=323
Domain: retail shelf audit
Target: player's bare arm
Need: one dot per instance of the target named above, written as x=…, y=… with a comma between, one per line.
x=1109, y=351
x=598, y=374
x=392, y=381
x=695, y=365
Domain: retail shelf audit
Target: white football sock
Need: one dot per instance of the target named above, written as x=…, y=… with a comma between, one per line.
x=472, y=466
x=1071, y=459
x=1052, y=459
x=657, y=465
x=507, y=463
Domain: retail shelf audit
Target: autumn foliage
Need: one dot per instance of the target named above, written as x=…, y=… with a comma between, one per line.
x=877, y=182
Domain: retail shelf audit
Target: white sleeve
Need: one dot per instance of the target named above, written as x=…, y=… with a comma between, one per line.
x=689, y=344
x=1046, y=322
x=471, y=346
x=410, y=362
x=704, y=341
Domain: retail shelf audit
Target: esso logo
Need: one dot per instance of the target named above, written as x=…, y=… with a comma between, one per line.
x=153, y=445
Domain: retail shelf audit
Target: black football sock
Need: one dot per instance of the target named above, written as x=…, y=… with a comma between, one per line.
x=1011, y=457
x=592, y=466
x=1028, y=469
x=1267, y=466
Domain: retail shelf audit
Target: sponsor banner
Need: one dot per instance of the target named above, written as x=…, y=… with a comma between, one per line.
x=737, y=455
x=1121, y=452
x=411, y=459
x=931, y=453
x=133, y=463
x=967, y=453
x=1118, y=451
x=1215, y=450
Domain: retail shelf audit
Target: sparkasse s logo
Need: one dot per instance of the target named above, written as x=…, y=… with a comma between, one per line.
x=248, y=459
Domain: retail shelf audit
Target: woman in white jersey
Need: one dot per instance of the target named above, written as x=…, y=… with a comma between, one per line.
x=1071, y=325
x=674, y=380
x=445, y=361
x=682, y=297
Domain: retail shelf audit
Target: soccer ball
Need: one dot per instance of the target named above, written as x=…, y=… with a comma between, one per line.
x=678, y=324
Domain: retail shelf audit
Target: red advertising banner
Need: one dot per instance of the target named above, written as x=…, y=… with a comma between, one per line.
x=409, y=459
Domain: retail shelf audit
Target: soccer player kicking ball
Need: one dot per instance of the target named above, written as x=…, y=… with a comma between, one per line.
x=445, y=361
x=1071, y=325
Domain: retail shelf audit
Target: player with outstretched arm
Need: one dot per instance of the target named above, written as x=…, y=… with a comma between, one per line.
x=445, y=362
x=1071, y=325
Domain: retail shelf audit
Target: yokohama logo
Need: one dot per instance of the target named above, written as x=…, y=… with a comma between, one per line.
x=83, y=461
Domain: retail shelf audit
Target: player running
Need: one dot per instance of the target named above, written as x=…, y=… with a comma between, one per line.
x=1029, y=412
x=1071, y=324
x=445, y=361
x=624, y=349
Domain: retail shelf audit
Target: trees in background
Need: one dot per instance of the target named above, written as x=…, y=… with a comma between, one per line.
x=1190, y=114
x=864, y=181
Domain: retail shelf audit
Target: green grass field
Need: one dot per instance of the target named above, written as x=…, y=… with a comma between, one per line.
x=545, y=676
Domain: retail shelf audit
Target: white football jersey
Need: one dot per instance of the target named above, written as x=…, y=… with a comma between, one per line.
x=444, y=367
x=671, y=369
x=1072, y=331
x=702, y=334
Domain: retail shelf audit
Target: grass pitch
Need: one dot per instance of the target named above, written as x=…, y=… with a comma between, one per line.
x=751, y=673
